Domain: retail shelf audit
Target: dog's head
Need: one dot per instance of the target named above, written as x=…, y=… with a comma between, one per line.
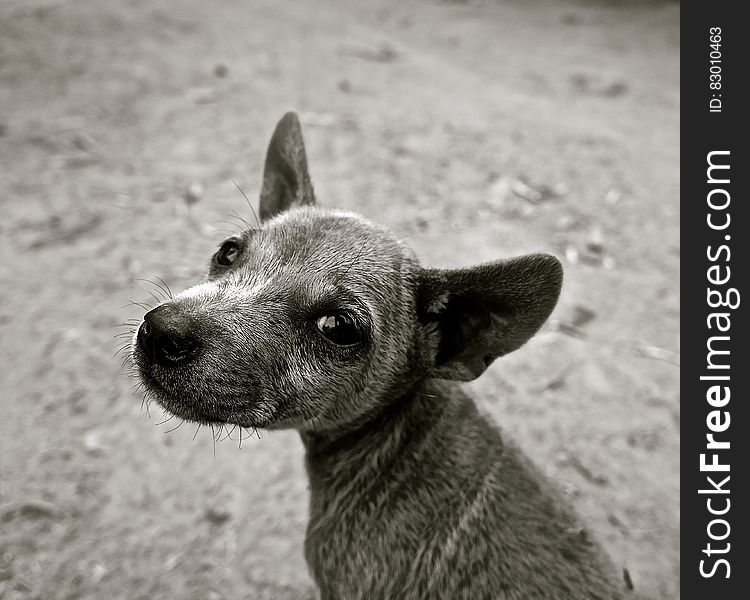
x=318, y=318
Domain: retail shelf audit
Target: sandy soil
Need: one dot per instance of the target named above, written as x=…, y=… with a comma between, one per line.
x=474, y=129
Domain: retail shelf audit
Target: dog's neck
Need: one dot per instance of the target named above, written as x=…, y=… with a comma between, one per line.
x=398, y=430
x=413, y=408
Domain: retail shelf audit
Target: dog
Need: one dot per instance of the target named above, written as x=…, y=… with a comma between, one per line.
x=321, y=321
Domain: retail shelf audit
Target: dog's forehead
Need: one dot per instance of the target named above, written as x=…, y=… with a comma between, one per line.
x=320, y=239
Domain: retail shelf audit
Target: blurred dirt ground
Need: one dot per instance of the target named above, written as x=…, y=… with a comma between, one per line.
x=474, y=129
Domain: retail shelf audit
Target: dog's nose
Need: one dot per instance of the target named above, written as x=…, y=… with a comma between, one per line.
x=167, y=336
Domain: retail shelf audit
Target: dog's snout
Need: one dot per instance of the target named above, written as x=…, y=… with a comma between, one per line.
x=168, y=336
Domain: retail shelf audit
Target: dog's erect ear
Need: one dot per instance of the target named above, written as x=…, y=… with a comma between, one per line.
x=286, y=182
x=476, y=314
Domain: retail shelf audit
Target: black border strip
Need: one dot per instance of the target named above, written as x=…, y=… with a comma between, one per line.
x=723, y=131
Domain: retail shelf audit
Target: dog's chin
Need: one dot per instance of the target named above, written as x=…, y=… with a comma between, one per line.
x=185, y=404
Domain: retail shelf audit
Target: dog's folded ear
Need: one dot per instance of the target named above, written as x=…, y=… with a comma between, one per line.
x=476, y=314
x=286, y=181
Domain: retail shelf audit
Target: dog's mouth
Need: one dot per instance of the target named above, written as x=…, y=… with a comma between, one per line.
x=180, y=391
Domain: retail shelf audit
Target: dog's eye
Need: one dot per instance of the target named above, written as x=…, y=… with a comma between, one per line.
x=339, y=328
x=228, y=253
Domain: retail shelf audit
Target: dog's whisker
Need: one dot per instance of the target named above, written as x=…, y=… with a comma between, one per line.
x=244, y=222
x=130, y=323
x=167, y=420
x=234, y=228
x=165, y=287
x=228, y=228
x=151, y=292
x=143, y=305
x=121, y=349
x=154, y=296
x=175, y=427
x=227, y=433
x=250, y=204
x=227, y=232
x=235, y=215
x=213, y=432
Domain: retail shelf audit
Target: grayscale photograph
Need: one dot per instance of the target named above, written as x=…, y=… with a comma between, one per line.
x=339, y=300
